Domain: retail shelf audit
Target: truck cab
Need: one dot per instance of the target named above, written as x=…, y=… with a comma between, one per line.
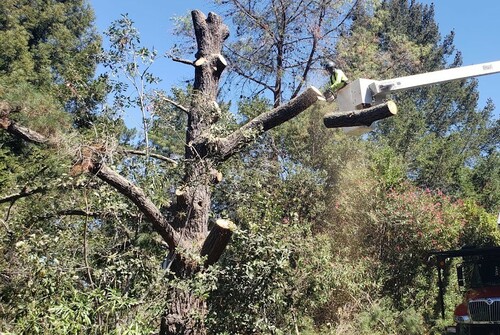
x=479, y=277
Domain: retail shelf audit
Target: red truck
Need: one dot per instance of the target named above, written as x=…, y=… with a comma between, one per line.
x=479, y=276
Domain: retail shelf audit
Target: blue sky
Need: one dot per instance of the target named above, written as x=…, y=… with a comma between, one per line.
x=476, y=26
x=477, y=35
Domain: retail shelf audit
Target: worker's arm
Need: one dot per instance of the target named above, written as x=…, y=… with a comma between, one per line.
x=338, y=80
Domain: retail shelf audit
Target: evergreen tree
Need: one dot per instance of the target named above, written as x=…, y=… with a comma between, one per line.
x=51, y=46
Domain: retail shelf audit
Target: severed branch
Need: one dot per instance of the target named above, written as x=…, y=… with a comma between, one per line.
x=224, y=148
x=183, y=61
x=217, y=240
x=139, y=198
x=362, y=117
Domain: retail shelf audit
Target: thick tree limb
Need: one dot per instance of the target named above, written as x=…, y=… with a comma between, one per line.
x=362, y=117
x=226, y=147
x=22, y=132
x=139, y=198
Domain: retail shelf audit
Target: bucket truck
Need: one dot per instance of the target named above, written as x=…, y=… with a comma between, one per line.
x=363, y=94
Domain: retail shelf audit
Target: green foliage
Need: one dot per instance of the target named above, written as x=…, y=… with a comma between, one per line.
x=333, y=232
x=38, y=110
x=480, y=227
x=382, y=318
x=51, y=45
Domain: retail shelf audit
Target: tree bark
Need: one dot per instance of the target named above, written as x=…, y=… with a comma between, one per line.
x=362, y=117
x=185, y=315
x=24, y=133
x=192, y=209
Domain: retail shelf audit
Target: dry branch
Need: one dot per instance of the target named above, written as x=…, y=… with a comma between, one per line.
x=176, y=104
x=362, y=117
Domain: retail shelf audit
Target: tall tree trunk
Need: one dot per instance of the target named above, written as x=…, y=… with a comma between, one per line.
x=186, y=311
x=185, y=316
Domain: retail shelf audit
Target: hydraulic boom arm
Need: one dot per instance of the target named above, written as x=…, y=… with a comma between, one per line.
x=363, y=92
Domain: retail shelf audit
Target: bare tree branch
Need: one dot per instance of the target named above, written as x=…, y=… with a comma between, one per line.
x=150, y=154
x=176, y=104
x=183, y=61
x=255, y=80
x=257, y=20
x=315, y=36
x=139, y=198
x=226, y=147
x=348, y=14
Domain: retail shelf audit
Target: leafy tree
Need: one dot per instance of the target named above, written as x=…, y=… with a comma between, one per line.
x=52, y=46
x=97, y=212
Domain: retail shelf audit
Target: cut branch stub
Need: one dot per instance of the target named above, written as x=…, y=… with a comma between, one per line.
x=362, y=117
x=217, y=240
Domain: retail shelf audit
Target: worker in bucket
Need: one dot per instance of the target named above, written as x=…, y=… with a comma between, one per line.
x=337, y=79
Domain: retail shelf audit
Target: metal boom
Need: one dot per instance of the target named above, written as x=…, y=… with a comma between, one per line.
x=363, y=92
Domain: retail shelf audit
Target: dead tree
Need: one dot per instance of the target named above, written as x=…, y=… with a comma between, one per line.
x=185, y=228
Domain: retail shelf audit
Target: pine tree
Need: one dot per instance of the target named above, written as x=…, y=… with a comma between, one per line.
x=52, y=47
